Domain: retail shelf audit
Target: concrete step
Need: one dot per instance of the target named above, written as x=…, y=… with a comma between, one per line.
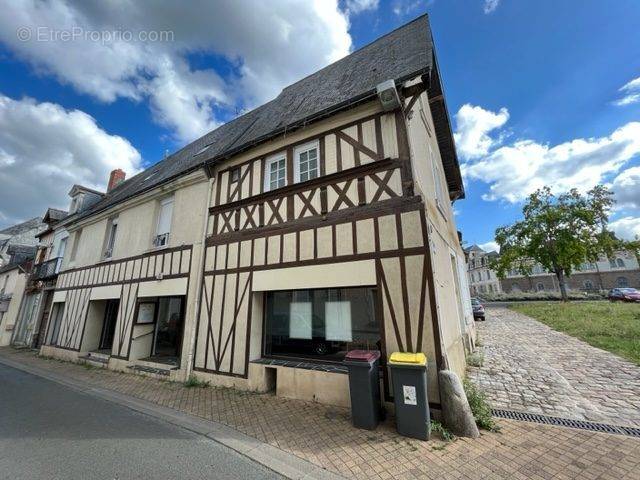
x=96, y=361
x=99, y=355
x=155, y=370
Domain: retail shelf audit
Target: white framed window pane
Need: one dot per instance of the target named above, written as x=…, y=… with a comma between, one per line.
x=338, y=321
x=164, y=217
x=300, y=320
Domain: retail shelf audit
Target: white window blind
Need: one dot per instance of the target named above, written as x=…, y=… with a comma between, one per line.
x=164, y=217
x=338, y=321
x=300, y=320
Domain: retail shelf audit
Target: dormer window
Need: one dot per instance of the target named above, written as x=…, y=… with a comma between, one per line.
x=163, y=227
x=112, y=231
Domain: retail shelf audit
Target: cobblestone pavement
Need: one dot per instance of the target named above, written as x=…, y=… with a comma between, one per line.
x=324, y=435
x=530, y=367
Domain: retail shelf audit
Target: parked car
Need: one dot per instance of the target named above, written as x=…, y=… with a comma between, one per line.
x=624, y=295
x=478, y=309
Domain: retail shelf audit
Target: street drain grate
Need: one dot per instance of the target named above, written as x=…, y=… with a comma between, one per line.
x=567, y=422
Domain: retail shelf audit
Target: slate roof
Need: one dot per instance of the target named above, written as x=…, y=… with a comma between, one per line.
x=54, y=215
x=402, y=54
x=22, y=227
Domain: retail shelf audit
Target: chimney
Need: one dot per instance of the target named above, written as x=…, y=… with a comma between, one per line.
x=116, y=178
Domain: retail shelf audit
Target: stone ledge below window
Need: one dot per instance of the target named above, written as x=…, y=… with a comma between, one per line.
x=305, y=365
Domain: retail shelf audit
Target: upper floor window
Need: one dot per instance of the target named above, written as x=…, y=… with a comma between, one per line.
x=163, y=228
x=437, y=179
x=612, y=263
x=235, y=175
x=620, y=262
x=112, y=231
x=306, y=162
x=62, y=246
x=76, y=242
x=275, y=172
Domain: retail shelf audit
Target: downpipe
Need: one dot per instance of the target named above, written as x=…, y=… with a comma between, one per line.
x=199, y=279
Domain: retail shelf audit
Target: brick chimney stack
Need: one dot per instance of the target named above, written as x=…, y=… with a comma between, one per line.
x=116, y=178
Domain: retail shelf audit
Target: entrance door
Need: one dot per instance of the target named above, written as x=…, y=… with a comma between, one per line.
x=44, y=320
x=168, y=338
x=109, y=324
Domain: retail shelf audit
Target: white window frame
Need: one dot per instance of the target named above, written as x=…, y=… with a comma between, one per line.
x=300, y=149
x=111, y=238
x=161, y=239
x=438, y=187
x=267, y=170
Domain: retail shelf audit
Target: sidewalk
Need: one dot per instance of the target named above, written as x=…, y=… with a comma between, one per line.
x=324, y=436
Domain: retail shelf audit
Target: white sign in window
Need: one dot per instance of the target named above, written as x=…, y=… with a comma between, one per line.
x=300, y=320
x=337, y=318
x=146, y=313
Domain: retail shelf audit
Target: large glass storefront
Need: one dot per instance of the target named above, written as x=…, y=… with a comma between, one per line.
x=322, y=323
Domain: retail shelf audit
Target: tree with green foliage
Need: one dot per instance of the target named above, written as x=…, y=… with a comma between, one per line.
x=558, y=232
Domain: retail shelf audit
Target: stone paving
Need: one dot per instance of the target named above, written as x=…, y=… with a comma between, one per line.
x=530, y=367
x=324, y=435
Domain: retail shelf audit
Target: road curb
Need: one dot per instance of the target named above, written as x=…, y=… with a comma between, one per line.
x=273, y=458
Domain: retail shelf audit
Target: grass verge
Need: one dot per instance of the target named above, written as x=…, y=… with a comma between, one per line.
x=194, y=382
x=480, y=407
x=614, y=327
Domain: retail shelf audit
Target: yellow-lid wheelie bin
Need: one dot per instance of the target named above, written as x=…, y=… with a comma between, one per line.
x=409, y=380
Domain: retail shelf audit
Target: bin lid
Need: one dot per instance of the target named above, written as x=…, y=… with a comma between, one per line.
x=409, y=358
x=362, y=355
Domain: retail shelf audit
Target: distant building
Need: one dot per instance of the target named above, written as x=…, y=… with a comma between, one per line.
x=622, y=270
x=481, y=278
x=20, y=235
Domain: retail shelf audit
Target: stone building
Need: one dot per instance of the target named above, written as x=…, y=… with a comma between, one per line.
x=482, y=279
x=622, y=270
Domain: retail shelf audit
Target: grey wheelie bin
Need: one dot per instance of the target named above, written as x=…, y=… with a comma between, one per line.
x=409, y=378
x=364, y=387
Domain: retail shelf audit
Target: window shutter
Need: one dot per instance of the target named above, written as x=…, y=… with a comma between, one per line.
x=164, y=218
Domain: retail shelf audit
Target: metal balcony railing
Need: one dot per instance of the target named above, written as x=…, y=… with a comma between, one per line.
x=46, y=270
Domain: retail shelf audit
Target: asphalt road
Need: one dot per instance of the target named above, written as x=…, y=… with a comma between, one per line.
x=49, y=431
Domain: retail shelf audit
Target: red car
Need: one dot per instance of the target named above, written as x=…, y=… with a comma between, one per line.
x=624, y=295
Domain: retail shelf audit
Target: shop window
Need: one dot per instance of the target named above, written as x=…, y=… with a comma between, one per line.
x=540, y=287
x=322, y=324
x=588, y=285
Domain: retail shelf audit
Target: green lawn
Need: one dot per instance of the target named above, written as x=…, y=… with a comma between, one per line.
x=611, y=326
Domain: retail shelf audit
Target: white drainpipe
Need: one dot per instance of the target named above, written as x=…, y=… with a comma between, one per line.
x=199, y=277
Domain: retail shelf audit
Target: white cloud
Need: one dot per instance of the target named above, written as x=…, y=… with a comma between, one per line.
x=626, y=187
x=627, y=228
x=632, y=93
x=490, y=5
x=490, y=246
x=45, y=149
x=516, y=170
x=403, y=8
x=269, y=44
x=473, y=125
x=359, y=6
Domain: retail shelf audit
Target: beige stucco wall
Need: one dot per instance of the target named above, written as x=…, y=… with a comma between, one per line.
x=137, y=219
x=16, y=281
x=454, y=312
